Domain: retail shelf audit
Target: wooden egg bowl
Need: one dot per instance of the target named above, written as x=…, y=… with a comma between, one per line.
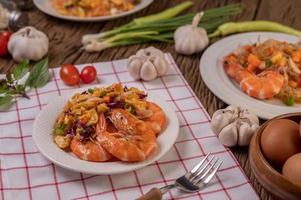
x=267, y=175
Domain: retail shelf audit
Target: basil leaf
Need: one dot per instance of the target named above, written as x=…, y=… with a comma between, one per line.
x=39, y=74
x=5, y=99
x=3, y=86
x=21, y=69
x=19, y=89
x=9, y=78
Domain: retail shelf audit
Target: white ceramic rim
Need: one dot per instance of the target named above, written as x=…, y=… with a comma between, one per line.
x=44, y=142
x=218, y=82
x=46, y=7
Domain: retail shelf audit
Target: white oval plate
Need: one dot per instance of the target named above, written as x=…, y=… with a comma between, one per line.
x=217, y=81
x=42, y=135
x=46, y=7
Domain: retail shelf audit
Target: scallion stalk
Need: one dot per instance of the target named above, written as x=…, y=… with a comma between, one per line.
x=166, y=14
x=144, y=29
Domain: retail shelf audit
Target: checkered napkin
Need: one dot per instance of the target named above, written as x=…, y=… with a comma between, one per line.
x=27, y=174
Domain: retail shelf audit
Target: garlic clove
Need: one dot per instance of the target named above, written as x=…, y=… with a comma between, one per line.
x=185, y=47
x=245, y=134
x=247, y=114
x=140, y=52
x=152, y=51
x=233, y=108
x=134, y=66
x=254, y=127
x=160, y=65
x=205, y=40
x=148, y=71
x=219, y=120
x=228, y=135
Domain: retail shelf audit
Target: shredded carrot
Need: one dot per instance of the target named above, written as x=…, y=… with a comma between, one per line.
x=248, y=48
x=84, y=119
x=282, y=62
x=298, y=80
x=296, y=56
x=293, y=84
x=232, y=69
x=231, y=58
x=106, y=99
x=253, y=62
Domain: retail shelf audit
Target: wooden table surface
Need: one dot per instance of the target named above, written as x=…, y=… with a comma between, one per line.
x=65, y=39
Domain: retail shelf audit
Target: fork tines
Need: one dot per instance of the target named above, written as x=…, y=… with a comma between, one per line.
x=205, y=170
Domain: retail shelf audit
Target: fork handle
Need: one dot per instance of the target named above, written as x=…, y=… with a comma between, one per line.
x=153, y=194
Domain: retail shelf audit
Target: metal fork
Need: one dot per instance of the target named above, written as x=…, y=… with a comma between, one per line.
x=192, y=181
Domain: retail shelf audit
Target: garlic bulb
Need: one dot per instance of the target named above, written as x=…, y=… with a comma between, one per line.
x=28, y=43
x=234, y=125
x=147, y=64
x=190, y=39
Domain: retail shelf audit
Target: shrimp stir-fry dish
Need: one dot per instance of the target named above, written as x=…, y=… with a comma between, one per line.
x=267, y=70
x=109, y=123
x=93, y=8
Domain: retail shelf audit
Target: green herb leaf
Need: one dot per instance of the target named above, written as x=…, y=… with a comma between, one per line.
x=60, y=129
x=39, y=74
x=3, y=86
x=268, y=63
x=90, y=90
x=5, y=99
x=9, y=78
x=20, y=88
x=290, y=101
x=21, y=69
x=103, y=93
x=132, y=110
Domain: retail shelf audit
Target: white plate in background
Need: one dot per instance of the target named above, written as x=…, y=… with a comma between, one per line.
x=219, y=83
x=46, y=7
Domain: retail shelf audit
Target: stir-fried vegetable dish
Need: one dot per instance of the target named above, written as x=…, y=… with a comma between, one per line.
x=271, y=69
x=93, y=8
x=107, y=122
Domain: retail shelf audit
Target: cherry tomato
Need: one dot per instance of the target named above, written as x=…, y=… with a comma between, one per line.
x=6, y=34
x=88, y=74
x=4, y=38
x=69, y=74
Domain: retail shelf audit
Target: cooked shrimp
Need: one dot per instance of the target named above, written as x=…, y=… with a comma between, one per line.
x=89, y=150
x=262, y=86
x=132, y=141
x=232, y=69
x=157, y=120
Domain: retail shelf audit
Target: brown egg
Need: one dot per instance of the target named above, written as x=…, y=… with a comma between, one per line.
x=280, y=140
x=292, y=169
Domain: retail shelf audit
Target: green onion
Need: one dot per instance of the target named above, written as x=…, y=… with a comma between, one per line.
x=290, y=101
x=158, y=27
x=131, y=109
x=60, y=129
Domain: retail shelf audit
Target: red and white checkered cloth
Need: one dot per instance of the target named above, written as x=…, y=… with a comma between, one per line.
x=26, y=174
